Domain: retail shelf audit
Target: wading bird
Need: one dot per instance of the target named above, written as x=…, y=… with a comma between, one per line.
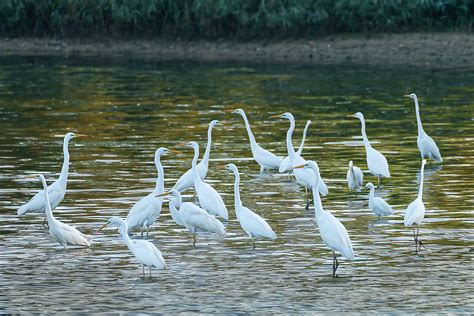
x=332, y=231
x=355, y=178
x=56, y=191
x=61, y=232
x=378, y=205
x=192, y=216
x=263, y=157
x=144, y=251
x=251, y=223
x=286, y=165
x=376, y=161
x=426, y=144
x=186, y=180
x=415, y=212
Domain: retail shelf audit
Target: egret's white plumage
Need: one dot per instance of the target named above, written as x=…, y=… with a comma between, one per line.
x=332, y=231
x=376, y=161
x=355, y=177
x=415, y=212
x=61, y=232
x=144, y=251
x=193, y=217
x=186, y=180
x=253, y=224
x=426, y=144
x=286, y=163
x=378, y=205
x=263, y=157
x=209, y=198
x=145, y=212
x=56, y=191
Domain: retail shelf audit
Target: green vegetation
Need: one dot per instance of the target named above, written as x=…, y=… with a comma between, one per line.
x=230, y=18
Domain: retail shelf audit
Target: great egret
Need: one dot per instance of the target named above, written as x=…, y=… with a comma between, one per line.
x=378, y=205
x=426, y=144
x=286, y=163
x=192, y=216
x=61, y=232
x=209, y=198
x=355, y=177
x=144, y=251
x=145, y=212
x=415, y=212
x=56, y=191
x=251, y=223
x=263, y=157
x=186, y=180
x=376, y=162
x=332, y=231
x=305, y=177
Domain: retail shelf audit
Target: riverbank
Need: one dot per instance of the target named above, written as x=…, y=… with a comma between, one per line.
x=433, y=50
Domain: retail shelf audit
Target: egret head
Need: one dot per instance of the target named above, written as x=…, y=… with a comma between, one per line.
x=310, y=164
x=214, y=123
x=239, y=111
x=193, y=145
x=164, y=151
x=351, y=164
x=411, y=96
x=423, y=162
x=72, y=135
x=286, y=115
x=308, y=123
x=115, y=221
x=359, y=115
x=370, y=186
x=232, y=167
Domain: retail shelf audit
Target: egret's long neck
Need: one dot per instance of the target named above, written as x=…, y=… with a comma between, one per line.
x=207, y=153
x=160, y=180
x=300, y=150
x=364, y=134
x=422, y=177
x=418, y=118
x=175, y=203
x=289, y=144
x=253, y=142
x=65, y=168
x=125, y=236
x=318, y=206
x=372, y=193
x=48, y=210
x=194, y=170
x=237, y=200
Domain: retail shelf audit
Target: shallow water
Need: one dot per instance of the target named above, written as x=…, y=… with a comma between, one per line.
x=128, y=108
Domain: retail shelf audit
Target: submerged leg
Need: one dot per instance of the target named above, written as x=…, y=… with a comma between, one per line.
x=143, y=270
x=194, y=239
x=379, y=177
x=150, y=271
x=141, y=235
x=253, y=242
x=335, y=264
x=418, y=239
x=45, y=222
x=262, y=169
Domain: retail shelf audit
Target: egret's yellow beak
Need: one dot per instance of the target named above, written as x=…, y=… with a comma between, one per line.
x=30, y=177
x=229, y=110
x=276, y=116
x=103, y=226
x=299, y=167
x=80, y=135
x=351, y=115
x=175, y=151
x=407, y=96
x=180, y=144
x=163, y=194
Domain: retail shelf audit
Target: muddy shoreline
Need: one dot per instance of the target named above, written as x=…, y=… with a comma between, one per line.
x=432, y=50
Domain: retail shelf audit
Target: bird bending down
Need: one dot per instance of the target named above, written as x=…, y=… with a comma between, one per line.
x=355, y=178
x=263, y=157
x=376, y=161
x=144, y=251
x=192, y=217
x=56, y=191
x=145, y=212
x=251, y=223
x=378, y=205
x=186, y=180
x=426, y=144
x=332, y=231
x=415, y=212
x=286, y=165
x=61, y=232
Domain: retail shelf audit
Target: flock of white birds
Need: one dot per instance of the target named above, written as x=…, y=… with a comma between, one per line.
x=203, y=215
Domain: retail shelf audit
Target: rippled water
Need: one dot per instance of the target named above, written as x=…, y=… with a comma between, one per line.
x=128, y=108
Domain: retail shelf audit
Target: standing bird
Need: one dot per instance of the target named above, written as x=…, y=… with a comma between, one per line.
x=332, y=231
x=286, y=163
x=415, y=212
x=426, y=144
x=209, y=198
x=186, y=180
x=378, y=205
x=56, y=191
x=376, y=162
x=263, y=157
x=192, y=216
x=61, y=232
x=251, y=223
x=145, y=212
x=355, y=178
x=144, y=251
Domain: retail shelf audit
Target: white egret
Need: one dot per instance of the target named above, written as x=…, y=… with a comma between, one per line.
x=415, y=212
x=251, y=223
x=263, y=157
x=378, y=205
x=304, y=177
x=186, y=180
x=192, y=216
x=145, y=212
x=332, y=231
x=144, y=251
x=426, y=144
x=56, y=191
x=64, y=234
x=286, y=163
x=355, y=177
x=376, y=161
x=209, y=198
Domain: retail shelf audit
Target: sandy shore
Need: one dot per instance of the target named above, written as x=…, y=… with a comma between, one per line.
x=434, y=50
